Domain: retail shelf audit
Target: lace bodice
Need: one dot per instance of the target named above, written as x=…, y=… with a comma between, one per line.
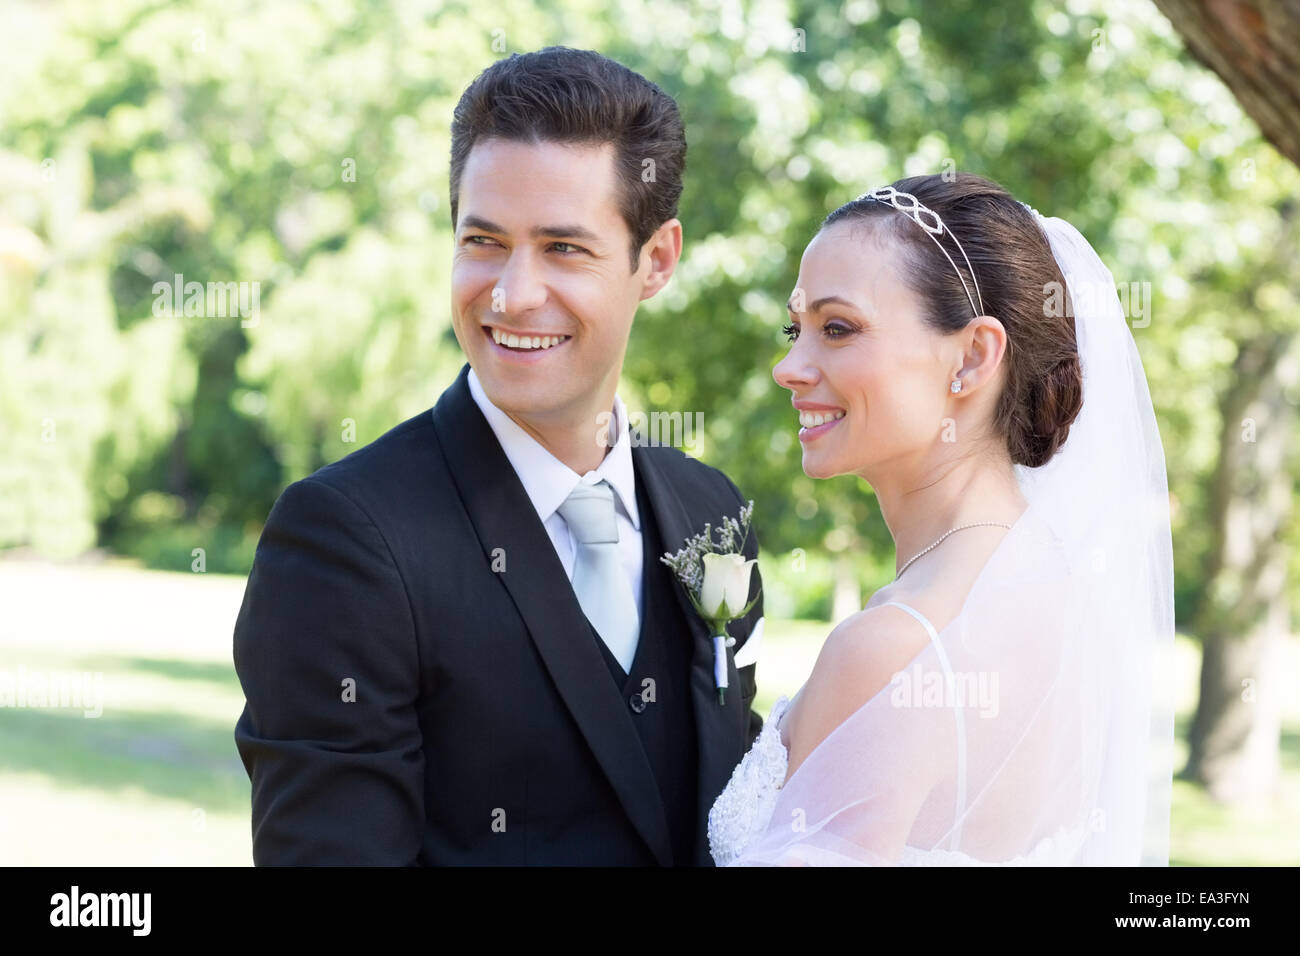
x=744, y=809
x=745, y=806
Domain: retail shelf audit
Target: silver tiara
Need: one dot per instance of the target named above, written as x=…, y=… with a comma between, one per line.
x=928, y=220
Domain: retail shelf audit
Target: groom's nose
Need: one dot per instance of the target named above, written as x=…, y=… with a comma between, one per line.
x=521, y=287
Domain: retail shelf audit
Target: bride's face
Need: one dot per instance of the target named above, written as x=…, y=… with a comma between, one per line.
x=862, y=355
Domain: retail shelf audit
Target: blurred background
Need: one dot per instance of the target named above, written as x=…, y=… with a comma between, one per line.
x=295, y=153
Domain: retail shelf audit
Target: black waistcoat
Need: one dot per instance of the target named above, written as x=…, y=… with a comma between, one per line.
x=657, y=690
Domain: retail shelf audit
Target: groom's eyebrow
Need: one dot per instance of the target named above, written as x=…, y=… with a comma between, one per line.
x=824, y=300
x=564, y=232
x=537, y=232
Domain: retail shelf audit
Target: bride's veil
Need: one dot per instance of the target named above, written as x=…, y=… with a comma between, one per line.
x=1038, y=727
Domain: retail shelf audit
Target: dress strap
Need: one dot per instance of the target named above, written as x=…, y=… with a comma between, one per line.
x=934, y=635
x=958, y=711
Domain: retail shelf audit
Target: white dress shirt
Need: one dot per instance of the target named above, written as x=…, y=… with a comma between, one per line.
x=549, y=481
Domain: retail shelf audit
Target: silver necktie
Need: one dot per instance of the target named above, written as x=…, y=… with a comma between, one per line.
x=599, y=580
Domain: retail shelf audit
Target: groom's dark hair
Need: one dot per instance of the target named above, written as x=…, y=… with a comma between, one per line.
x=564, y=95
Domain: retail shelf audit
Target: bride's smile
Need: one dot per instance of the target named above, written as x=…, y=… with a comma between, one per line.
x=815, y=419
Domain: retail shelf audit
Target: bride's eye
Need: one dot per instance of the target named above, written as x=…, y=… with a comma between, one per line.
x=790, y=331
x=839, y=331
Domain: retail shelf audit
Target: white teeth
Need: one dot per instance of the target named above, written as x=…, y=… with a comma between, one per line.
x=522, y=342
x=813, y=419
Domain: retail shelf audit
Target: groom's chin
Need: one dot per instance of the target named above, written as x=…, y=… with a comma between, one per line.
x=514, y=388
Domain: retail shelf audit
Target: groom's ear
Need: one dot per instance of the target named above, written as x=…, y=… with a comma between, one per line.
x=664, y=249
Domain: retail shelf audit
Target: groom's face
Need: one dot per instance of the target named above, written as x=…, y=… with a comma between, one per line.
x=541, y=261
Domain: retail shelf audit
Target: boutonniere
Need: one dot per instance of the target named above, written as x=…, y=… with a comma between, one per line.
x=716, y=577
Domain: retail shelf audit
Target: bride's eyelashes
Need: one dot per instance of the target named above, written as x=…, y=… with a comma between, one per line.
x=832, y=329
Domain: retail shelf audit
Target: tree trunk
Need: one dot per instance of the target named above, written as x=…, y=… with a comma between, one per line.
x=1243, y=616
x=1254, y=46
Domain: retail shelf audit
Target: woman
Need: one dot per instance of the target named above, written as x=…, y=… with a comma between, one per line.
x=997, y=702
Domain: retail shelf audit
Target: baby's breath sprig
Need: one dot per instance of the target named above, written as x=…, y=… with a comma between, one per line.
x=688, y=563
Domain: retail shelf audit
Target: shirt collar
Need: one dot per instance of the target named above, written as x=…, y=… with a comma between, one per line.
x=549, y=481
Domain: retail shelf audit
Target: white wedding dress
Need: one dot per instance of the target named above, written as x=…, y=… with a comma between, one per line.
x=744, y=809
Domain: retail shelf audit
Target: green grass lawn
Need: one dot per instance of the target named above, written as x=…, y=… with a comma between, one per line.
x=156, y=779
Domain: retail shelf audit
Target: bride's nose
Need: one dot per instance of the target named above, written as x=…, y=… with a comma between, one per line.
x=793, y=372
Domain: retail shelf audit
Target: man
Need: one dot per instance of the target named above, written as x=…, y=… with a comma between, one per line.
x=458, y=644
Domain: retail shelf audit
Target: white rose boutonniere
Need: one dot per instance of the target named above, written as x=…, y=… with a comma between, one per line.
x=717, y=577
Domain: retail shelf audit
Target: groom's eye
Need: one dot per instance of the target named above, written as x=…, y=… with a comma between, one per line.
x=568, y=245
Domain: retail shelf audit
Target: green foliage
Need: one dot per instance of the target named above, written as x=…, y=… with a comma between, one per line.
x=303, y=146
x=796, y=585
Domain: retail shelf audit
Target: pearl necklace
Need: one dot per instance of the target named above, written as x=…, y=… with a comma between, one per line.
x=945, y=534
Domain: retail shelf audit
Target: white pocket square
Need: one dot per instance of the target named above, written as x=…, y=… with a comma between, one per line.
x=748, y=654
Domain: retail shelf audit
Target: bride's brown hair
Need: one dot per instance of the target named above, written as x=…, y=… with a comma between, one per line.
x=1016, y=275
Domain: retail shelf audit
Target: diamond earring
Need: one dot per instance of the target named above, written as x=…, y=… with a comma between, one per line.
x=955, y=386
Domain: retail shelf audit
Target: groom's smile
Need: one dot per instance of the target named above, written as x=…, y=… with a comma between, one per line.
x=524, y=346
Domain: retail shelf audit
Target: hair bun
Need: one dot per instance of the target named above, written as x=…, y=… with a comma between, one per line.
x=1052, y=405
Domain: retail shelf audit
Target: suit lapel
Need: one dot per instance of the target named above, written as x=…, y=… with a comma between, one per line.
x=719, y=728
x=503, y=517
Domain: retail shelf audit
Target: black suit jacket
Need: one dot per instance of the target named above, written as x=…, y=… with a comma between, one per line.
x=409, y=704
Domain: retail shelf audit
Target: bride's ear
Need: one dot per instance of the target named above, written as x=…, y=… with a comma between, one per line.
x=984, y=344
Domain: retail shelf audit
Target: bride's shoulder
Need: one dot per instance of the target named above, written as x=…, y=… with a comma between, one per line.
x=873, y=634
x=866, y=649
x=857, y=661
